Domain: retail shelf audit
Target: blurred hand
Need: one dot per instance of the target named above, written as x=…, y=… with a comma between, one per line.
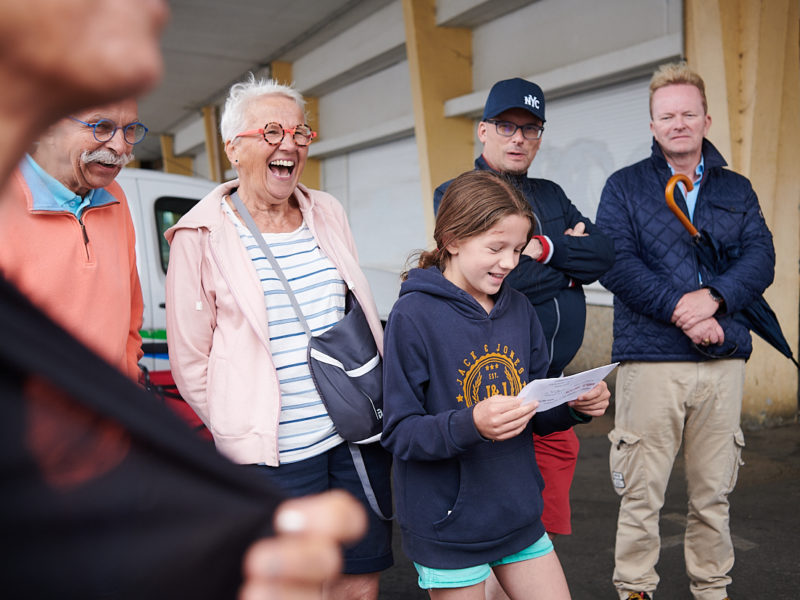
x=594, y=402
x=502, y=417
x=306, y=550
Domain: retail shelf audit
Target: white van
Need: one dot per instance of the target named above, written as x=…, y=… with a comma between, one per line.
x=157, y=200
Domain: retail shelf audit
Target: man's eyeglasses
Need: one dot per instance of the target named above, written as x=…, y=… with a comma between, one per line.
x=104, y=130
x=508, y=129
x=274, y=133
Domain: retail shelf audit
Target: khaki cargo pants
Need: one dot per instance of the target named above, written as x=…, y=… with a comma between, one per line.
x=658, y=406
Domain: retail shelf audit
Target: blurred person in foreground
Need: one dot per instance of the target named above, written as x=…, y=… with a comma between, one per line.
x=238, y=350
x=73, y=428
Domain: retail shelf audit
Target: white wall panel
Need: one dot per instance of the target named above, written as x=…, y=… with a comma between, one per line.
x=383, y=96
x=380, y=190
x=200, y=164
x=589, y=136
x=549, y=34
x=334, y=178
x=380, y=34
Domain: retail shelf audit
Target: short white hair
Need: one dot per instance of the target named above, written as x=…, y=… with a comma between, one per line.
x=241, y=94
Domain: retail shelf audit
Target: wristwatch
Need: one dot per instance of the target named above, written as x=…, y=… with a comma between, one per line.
x=716, y=298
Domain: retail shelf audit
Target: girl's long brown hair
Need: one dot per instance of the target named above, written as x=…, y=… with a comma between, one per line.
x=473, y=203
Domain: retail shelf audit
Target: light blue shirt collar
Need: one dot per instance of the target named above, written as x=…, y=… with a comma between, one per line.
x=65, y=199
x=691, y=197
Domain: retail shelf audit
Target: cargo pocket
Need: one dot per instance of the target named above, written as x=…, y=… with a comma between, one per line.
x=738, y=446
x=625, y=463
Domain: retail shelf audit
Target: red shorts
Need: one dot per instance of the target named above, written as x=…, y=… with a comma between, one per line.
x=556, y=455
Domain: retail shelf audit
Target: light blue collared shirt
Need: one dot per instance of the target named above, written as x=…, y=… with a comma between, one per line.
x=65, y=198
x=691, y=197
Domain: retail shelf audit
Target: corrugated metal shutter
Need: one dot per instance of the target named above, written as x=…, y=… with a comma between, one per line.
x=380, y=189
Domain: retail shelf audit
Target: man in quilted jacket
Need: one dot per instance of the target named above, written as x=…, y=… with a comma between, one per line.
x=682, y=354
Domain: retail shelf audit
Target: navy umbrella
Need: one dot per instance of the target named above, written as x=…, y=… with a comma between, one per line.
x=758, y=316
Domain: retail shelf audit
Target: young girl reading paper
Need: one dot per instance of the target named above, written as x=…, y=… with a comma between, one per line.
x=460, y=345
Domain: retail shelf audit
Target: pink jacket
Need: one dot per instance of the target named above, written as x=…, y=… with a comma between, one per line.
x=217, y=324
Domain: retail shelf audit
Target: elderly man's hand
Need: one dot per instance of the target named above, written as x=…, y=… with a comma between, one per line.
x=306, y=551
x=594, y=402
x=706, y=332
x=694, y=307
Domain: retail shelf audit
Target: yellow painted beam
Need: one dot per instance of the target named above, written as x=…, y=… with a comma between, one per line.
x=281, y=71
x=777, y=377
x=312, y=174
x=747, y=53
x=705, y=51
x=172, y=163
x=440, y=64
x=217, y=160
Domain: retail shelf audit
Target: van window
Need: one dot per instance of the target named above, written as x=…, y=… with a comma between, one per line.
x=168, y=210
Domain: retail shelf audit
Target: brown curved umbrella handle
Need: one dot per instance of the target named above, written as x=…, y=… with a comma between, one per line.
x=669, y=194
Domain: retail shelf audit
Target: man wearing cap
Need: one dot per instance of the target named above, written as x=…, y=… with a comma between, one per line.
x=68, y=239
x=566, y=252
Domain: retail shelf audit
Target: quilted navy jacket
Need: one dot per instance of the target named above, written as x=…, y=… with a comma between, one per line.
x=655, y=262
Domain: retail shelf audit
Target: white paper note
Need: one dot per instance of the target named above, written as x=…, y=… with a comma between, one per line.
x=553, y=392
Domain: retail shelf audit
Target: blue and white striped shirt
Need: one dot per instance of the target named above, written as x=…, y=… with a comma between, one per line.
x=305, y=429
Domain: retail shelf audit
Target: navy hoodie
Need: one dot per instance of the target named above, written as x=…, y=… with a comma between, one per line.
x=462, y=500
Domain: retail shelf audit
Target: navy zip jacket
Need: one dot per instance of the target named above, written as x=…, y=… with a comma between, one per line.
x=656, y=263
x=461, y=499
x=555, y=288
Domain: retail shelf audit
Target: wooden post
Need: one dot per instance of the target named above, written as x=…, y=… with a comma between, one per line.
x=747, y=53
x=281, y=72
x=217, y=160
x=172, y=163
x=440, y=63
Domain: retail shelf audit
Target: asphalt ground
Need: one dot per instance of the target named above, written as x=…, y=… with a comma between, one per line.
x=764, y=523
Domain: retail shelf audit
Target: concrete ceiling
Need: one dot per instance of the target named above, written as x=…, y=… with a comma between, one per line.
x=210, y=44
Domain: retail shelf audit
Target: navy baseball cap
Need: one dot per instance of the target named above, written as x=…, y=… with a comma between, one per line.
x=514, y=93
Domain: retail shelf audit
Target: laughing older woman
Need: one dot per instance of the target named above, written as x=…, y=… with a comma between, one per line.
x=237, y=349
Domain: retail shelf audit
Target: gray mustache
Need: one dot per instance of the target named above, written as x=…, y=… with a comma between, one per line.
x=106, y=156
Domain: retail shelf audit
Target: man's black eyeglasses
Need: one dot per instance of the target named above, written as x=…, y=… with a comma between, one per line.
x=508, y=129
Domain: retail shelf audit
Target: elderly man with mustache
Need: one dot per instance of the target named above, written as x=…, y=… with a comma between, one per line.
x=68, y=239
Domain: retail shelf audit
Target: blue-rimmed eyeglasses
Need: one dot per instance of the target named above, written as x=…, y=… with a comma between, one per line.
x=508, y=129
x=104, y=130
x=274, y=133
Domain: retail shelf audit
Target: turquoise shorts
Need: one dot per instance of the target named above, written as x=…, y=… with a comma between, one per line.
x=457, y=578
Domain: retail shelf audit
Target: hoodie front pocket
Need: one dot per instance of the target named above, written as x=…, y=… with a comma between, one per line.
x=497, y=495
